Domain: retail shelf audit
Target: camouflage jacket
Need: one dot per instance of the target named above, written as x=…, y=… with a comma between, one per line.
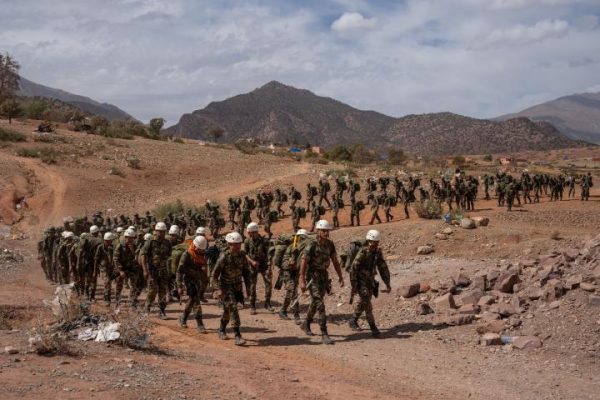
x=366, y=264
x=231, y=270
x=157, y=252
x=318, y=256
x=124, y=257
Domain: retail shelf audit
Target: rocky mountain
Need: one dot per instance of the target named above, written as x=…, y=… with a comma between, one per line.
x=109, y=111
x=577, y=116
x=284, y=114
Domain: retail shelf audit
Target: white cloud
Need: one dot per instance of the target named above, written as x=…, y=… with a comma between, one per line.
x=522, y=34
x=352, y=21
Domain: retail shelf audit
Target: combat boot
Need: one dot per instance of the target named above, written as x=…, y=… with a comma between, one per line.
x=353, y=323
x=200, y=325
x=268, y=306
x=375, y=332
x=239, y=340
x=222, y=334
x=325, y=339
x=305, y=326
x=283, y=315
x=161, y=312
x=252, y=309
x=297, y=318
x=183, y=320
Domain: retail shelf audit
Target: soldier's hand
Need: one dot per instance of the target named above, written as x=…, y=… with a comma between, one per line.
x=303, y=286
x=218, y=294
x=341, y=280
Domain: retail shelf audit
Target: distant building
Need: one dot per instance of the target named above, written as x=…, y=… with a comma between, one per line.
x=505, y=160
x=316, y=149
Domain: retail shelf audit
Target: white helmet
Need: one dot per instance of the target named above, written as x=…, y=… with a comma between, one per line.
x=252, y=227
x=131, y=228
x=160, y=226
x=233, y=237
x=130, y=233
x=374, y=235
x=200, y=243
x=147, y=236
x=94, y=229
x=201, y=231
x=323, y=225
x=109, y=236
x=174, y=230
x=302, y=232
x=120, y=229
x=68, y=235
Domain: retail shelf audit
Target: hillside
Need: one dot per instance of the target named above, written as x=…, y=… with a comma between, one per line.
x=109, y=111
x=283, y=114
x=577, y=116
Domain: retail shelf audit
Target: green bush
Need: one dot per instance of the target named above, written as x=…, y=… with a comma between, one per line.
x=133, y=163
x=46, y=154
x=429, y=209
x=35, y=109
x=50, y=138
x=8, y=135
x=246, y=147
x=178, y=140
x=174, y=207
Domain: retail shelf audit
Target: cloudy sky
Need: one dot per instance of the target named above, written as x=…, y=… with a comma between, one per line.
x=152, y=58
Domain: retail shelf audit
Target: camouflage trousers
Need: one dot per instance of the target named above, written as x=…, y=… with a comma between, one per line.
x=317, y=290
x=365, y=293
x=230, y=310
x=108, y=282
x=195, y=291
x=290, y=282
x=266, y=274
x=136, y=282
x=63, y=273
x=158, y=283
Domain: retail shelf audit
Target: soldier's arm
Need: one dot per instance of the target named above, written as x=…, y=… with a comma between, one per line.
x=384, y=272
x=216, y=272
x=117, y=258
x=181, y=269
x=338, y=268
x=144, y=256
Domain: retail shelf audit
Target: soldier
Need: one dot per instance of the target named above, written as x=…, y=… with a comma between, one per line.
x=176, y=243
x=313, y=267
x=127, y=268
x=387, y=207
x=375, y=211
x=586, y=184
x=354, y=212
x=295, y=196
x=231, y=268
x=289, y=270
x=45, y=252
x=192, y=273
x=296, y=218
x=155, y=257
x=369, y=260
x=103, y=262
x=324, y=188
x=309, y=196
x=256, y=248
x=510, y=193
x=314, y=216
x=63, y=258
x=335, y=208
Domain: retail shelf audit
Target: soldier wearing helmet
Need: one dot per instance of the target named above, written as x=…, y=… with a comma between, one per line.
x=368, y=261
x=155, y=258
x=127, y=268
x=290, y=274
x=230, y=270
x=192, y=272
x=256, y=248
x=103, y=262
x=313, y=268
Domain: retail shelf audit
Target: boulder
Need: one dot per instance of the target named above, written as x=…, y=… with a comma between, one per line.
x=470, y=296
x=490, y=339
x=588, y=287
x=486, y=301
x=424, y=250
x=448, y=231
x=505, y=282
x=570, y=254
x=424, y=287
x=457, y=319
x=424, y=309
x=573, y=282
x=503, y=309
x=467, y=223
x=440, y=236
x=469, y=309
x=479, y=281
x=526, y=342
x=554, y=290
x=444, y=302
x=532, y=293
x=409, y=290
x=462, y=280
x=444, y=286
x=496, y=326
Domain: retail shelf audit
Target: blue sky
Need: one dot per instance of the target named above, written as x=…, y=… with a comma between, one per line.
x=480, y=58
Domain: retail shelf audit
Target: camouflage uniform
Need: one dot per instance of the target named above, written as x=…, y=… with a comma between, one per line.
x=257, y=250
x=354, y=213
x=63, y=260
x=103, y=262
x=375, y=211
x=290, y=275
x=192, y=273
x=362, y=276
x=157, y=252
x=125, y=260
x=229, y=272
x=335, y=209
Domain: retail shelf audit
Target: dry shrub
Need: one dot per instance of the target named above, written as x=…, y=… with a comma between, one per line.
x=429, y=209
x=134, y=163
x=9, y=135
x=555, y=235
x=49, y=343
x=135, y=332
x=117, y=172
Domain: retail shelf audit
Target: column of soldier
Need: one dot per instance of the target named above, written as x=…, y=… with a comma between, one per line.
x=173, y=258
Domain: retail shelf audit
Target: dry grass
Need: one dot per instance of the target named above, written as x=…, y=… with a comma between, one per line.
x=429, y=209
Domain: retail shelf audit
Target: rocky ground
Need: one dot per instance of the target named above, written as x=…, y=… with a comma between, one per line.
x=532, y=273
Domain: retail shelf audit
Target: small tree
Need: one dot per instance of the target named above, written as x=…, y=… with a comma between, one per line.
x=10, y=109
x=9, y=77
x=363, y=155
x=156, y=124
x=339, y=153
x=99, y=124
x=35, y=109
x=487, y=157
x=216, y=133
x=396, y=156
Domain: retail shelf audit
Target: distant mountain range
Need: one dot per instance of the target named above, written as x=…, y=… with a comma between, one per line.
x=109, y=111
x=283, y=114
x=577, y=116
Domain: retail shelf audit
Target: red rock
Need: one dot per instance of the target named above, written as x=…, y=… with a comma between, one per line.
x=570, y=254
x=573, y=282
x=479, y=281
x=424, y=287
x=470, y=296
x=526, y=342
x=490, y=339
x=486, y=300
x=455, y=320
x=444, y=302
x=441, y=236
x=533, y=293
x=554, y=290
x=505, y=310
x=588, y=287
x=506, y=282
x=468, y=309
x=496, y=326
x=493, y=276
x=409, y=290
x=462, y=280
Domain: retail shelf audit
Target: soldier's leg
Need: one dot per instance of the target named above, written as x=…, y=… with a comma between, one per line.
x=368, y=307
x=137, y=282
x=254, y=280
x=163, y=287
x=107, y=285
x=268, y=281
x=288, y=294
x=152, y=291
x=327, y=201
x=119, y=283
